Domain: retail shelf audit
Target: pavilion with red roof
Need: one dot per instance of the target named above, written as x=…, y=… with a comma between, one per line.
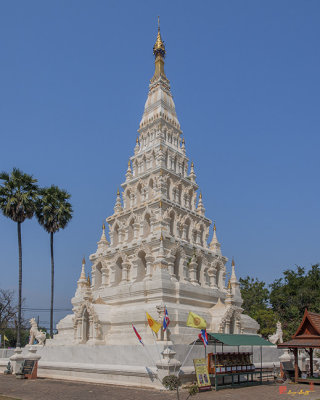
x=307, y=337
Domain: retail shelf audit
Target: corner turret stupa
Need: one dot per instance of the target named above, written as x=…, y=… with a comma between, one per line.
x=158, y=255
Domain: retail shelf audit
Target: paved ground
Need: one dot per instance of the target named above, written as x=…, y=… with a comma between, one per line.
x=50, y=389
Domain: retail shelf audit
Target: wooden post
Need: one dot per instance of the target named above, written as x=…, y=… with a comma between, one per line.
x=296, y=366
x=311, y=361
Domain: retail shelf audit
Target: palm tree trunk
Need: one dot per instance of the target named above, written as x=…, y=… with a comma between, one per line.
x=52, y=285
x=20, y=286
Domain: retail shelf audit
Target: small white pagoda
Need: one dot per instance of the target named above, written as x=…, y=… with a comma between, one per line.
x=158, y=255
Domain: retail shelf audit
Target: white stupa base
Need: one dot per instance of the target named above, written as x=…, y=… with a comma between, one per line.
x=131, y=365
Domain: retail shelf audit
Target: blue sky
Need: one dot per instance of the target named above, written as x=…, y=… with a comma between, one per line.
x=245, y=80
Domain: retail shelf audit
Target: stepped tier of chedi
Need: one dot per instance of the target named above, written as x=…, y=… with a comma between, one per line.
x=159, y=252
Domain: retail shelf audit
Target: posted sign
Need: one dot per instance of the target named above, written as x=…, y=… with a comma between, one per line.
x=202, y=373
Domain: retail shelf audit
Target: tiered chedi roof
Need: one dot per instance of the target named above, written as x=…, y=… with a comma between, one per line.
x=157, y=178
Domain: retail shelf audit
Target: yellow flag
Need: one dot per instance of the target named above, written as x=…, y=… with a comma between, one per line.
x=195, y=321
x=154, y=325
x=5, y=338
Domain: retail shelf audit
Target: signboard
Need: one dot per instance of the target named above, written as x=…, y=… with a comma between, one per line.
x=28, y=366
x=30, y=369
x=202, y=373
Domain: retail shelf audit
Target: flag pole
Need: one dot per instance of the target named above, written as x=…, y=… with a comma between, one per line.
x=187, y=356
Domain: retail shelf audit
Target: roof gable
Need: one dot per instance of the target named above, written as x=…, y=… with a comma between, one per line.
x=309, y=326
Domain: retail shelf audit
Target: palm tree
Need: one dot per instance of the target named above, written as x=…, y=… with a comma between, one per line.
x=18, y=195
x=53, y=212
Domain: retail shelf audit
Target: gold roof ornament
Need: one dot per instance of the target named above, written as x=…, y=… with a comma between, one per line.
x=118, y=192
x=137, y=140
x=232, y=263
x=83, y=260
x=214, y=226
x=103, y=226
x=159, y=48
x=229, y=285
x=88, y=280
x=200, y=196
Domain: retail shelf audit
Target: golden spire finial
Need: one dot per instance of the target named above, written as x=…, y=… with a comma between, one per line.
x=214, y=226
x=183, y=141
x=161, y=237
x=233, y=263
x=83, y=260
x=137, y=140
x=229, y=285
x=103, y=226
x=88, y=280
x=192, y=164
x=200, y=196
x=118, y=192
x=158, y=48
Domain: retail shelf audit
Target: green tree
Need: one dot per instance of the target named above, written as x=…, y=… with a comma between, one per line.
x=18, y=195
x=294, y=292
x=53, y=212
x=255, y=297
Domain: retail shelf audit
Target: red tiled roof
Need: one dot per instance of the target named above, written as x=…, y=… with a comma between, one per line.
x=315, y=319
x=305, y=342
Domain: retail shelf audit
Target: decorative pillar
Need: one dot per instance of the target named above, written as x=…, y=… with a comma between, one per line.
x=93, y=275
x=184, y=232
x=136, y=229
x=149, y=262
x=212, y=277
x=112, y=275
x=170, y=261
x=183, y=271
x=90, y=319
x=125, y=269
x=134, y=268
x=296, y=366
x=311, y=361
x=105, y=276
x=193, y=272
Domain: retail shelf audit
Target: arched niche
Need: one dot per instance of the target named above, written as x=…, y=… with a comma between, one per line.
x=127, y=199
x=142, y=265
x=98, y=276
x=176, y=265
x=118, y=270
x=146, y=225
x=85, y=326
x=116, y=235
x=190, y=199
x=199, y=269
x=169, y=189
x=201, y=235
x=138, y=194
x=187, y=223
x=172, y=223
x=150, y=189
x=130, y=230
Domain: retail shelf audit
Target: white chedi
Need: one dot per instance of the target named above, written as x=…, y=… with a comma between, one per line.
x=157, y=255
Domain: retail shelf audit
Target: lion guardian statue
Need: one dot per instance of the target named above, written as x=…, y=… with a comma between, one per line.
x=35, y=334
